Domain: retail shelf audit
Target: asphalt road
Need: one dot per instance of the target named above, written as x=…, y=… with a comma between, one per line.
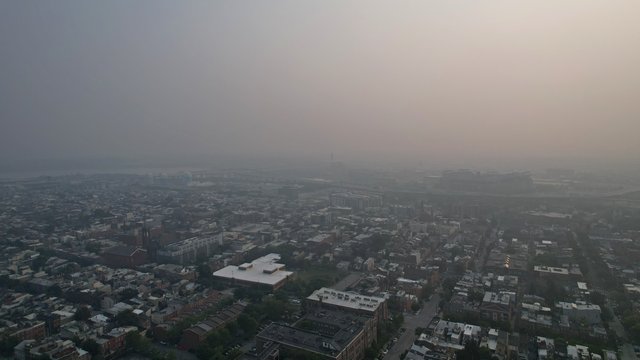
x=411, y=322
x=628, y=353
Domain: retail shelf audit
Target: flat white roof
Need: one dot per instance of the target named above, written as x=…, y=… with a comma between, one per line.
x=256, y=272
x=551, y=269
x=346, y=299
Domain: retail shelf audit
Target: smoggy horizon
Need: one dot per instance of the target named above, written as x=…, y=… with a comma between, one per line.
x=440, y=82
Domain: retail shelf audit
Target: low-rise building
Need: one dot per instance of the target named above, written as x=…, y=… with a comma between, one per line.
x=195, y=335
x=189, y=250
x=589, y=313
x=324, y=333
x=125, y=256
x=497, y=306
x=58, y=349
x=114, y=342
x=264, y=271
x=328, y=298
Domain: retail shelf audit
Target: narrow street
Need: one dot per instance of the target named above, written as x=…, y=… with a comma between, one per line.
x=411, y=322
x=626, y=350
x=628, y=353
x=484, y=251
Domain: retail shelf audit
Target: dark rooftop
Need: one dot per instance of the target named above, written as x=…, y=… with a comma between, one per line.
x=328, y=332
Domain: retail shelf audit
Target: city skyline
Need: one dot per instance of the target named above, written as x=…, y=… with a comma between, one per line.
x=426, y=81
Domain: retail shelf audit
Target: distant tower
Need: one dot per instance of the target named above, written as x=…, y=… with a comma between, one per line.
x=331, y=157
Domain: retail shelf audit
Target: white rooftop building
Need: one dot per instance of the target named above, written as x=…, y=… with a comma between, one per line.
x=550, y=270
x=261, y=271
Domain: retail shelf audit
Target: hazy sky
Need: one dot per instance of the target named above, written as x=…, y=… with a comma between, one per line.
x=436, y=79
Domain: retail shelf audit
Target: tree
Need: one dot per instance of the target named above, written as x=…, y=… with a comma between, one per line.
x=254, y=294
x=426, y=292
x=553, y=292
x=597, y=298
x=204, y=272
x=378, y=242
x=127, y=318
x=370, y=353
x=91, y=346
x=101, y=213
x=240, y=293
x=93, y=247
x=68, y=269
x=54, y=290
x=476, y=296
x=224, y=336
x=415, y=306
x=472, y=351
x=631, y=322
x=214, y=345
x=128, y=293
x=275, y=310
x=175, y=333
x=39, y=262
x=7, y=344
x=447, y=288
x=136, y=342
x=547, y=259
x=210, y=353
x=83, y=313
x=247, y=324
x=398, y=320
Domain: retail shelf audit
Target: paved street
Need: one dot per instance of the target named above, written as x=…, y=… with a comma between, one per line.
x=411, y=322
x=484, y=251
x=628, y=353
